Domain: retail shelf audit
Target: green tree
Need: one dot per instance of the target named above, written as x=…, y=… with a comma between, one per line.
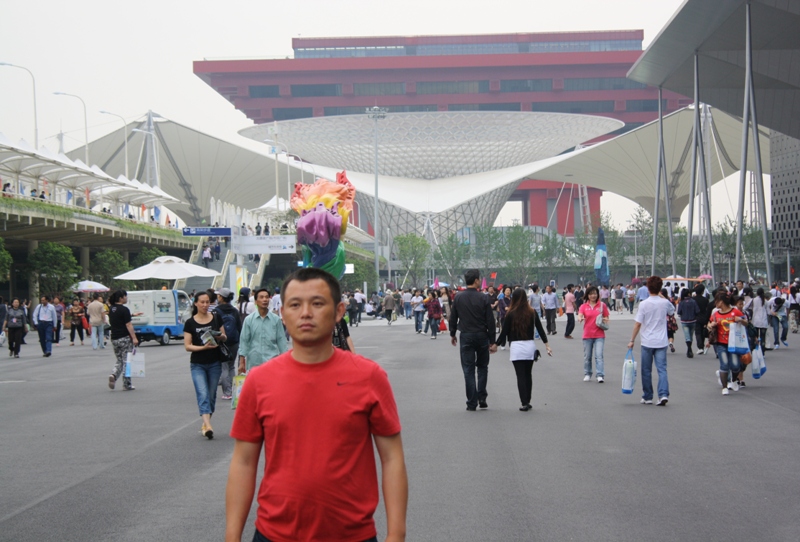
x=488, y=245
x=147, y=255
x=519, y=253
x=550, y=254
x=55, y=266
x=413, y=252
x=5, y=261
x=451, y=256
x=106, y=265
x=363, y=271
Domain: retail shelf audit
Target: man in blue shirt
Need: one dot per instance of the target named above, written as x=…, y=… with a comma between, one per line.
x=262, y=337
x=44, y=318
x=550, y=302
x=642, y=294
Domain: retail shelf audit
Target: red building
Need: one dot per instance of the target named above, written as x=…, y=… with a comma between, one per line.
x=565, y=72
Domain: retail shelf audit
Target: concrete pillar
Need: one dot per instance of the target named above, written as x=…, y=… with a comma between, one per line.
x=126, y=255
x=33, y=278
x=84, y=263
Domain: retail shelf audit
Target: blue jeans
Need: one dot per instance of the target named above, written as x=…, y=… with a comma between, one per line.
x=206, y=380
x=595, y=345
x=688, y=332
x=475, y=355
x=97, y=337
x=407, y=309
x=434, y=326
x=419, y=317
x=728, y=361
x=777, y=322
x=660, y=357
x=45, y=330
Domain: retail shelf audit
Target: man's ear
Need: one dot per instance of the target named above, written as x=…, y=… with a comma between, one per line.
x=341, y=308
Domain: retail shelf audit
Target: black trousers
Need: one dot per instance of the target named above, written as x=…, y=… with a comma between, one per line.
x=700, y=334
x=524, y=369
x=570, y=324
x=73, y=328
x=550, y=315
x=14, y=336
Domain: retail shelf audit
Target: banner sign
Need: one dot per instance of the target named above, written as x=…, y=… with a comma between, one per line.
x=206, y=232
x=264, y=244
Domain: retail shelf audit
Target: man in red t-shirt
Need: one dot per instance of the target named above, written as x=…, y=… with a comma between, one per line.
x=316, y=409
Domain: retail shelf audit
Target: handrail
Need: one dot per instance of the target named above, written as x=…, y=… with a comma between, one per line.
x=219, y=280
x=181, y=283
x=255, y=280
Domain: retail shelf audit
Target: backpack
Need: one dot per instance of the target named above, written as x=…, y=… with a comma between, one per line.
x=229, y=323
x=338, y=339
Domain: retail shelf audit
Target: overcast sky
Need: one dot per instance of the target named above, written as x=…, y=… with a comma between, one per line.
x=128, y=57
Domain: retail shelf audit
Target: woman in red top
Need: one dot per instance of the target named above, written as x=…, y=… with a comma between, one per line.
x=434, y=312
x=720, y=323
x=594, y=338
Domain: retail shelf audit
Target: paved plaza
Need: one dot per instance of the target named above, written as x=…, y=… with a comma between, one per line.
x=80, y=462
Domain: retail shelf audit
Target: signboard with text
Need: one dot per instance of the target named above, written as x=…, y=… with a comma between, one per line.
x=264, y=244
x=206, y=232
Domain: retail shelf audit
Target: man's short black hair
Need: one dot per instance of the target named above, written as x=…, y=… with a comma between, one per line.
x=255, y=295
x=313, y=273
x=471, y=276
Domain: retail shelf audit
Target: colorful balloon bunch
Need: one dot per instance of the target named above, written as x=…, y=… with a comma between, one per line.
x=324, y=208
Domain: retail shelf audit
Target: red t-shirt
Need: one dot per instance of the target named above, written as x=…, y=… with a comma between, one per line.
x=590, y=329
x=317, y=422
x=724, y=322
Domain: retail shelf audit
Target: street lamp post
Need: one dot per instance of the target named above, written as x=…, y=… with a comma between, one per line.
x=635, y=250
x=35, y=115
x=125, y=132
x=376, y=113
x=85, y=123
x=274, y=150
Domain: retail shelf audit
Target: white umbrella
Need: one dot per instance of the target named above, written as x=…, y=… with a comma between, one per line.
x=167, y=268
x=89, y=286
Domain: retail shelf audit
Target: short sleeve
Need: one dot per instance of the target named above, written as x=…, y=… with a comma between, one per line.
x=384, y=420
x=640, y=313
x=126, y=317
x=246, y=423
x=670, y=308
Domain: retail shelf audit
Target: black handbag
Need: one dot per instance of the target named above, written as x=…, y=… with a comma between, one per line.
x=225, y=352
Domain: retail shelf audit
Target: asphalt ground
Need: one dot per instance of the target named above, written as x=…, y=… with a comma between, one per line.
x=80, y=462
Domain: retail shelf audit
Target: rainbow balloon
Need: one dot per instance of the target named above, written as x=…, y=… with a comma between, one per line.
x=324, y=208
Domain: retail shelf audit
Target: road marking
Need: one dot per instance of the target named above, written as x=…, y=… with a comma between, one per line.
x=11, y=381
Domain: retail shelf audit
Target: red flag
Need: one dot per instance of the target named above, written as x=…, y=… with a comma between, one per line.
x=493, y=275
x=144, y=208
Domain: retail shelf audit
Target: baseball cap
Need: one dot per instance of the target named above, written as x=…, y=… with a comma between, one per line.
x=244, y=291
x=224, y=292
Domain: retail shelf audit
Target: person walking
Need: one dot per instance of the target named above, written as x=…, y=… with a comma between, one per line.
x=594, y=338
x=619, y=298
x=407, y=304
x=206, y=255
x=389, y=305
x=217, y=250
x=262, y=337
x=316, y=412
x=700, y=330
x=14, y=326
x=60, y=309
x=123, y=337
x=202, y=334
x=719, y=325
x=471, y=314
x=245, y=304
x=75, y=315
x=776, y=308
x=630, y=294
x=569, y=309
x=418, y=308
x=44, y=319
x=361, y=299
x=688, y=311
x=550, y=304
x=760, y=318
x=434, y=308
x=232, y=322
x=519, y=327
x=352, y=309
x=650, y=320
x=97, y=319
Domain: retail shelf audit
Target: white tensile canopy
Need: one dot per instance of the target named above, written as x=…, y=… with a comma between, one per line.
x=167, y=268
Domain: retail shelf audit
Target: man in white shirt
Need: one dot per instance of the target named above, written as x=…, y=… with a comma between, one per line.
x=407, y=304
x=361, y=299
x=44, y=318
x=651, y=319
x=275, y=304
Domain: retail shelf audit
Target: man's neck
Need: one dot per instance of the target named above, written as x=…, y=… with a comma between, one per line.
x=311, y=354
x=263, y=312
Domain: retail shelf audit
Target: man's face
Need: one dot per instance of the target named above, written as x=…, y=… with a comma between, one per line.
x=491, y=289
x=262, y=300
x=310, y=313
x=43, y=301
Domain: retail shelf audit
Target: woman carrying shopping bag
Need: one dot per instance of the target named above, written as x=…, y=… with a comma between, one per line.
x=203, y=333
x=518, y=328
x=14, y=326
x=75, y=315
x=434, y=313
x=123, y=337
x=720, y=323
x=594, y=338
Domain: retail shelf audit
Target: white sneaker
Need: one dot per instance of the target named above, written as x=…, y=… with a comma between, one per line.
x=646, y=402
x=600, y=379
x=725, y=391
x=719, y=380
x=587, y=378
x=662, y=401
x=733, y=386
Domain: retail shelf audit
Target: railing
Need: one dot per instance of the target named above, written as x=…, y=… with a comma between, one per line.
x=255, y=280
x=181, y=283
x=219, y=280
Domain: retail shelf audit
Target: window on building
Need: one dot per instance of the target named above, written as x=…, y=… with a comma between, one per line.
x=602, y=106
x=304, y=91
x=526, y=85
x=452, y=87
x=601, y=83
x=378, y=89
x=644, y=105
x=264, y=91
x=289, y=113
x=361, y=109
